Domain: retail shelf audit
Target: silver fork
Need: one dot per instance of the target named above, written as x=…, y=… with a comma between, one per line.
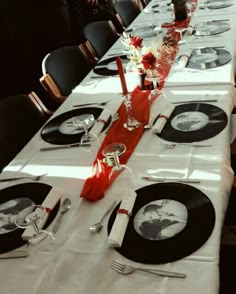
x=173, y=145
x=125, y=269
x=92, y=103
x=33, y=178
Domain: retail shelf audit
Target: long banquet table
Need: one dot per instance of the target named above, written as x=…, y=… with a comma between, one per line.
x=81, y=261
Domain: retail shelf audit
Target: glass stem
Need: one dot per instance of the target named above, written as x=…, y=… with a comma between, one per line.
x=129, y=111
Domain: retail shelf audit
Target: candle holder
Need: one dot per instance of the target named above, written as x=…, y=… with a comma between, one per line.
x=131, y=123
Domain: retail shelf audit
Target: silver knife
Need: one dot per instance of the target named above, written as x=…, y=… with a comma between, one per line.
x=64, y=146
x=14, y=254
x=192, y=101
x=159, y=179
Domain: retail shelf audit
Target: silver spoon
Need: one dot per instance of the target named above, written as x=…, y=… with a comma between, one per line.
x=99, y=225
x=65, y=206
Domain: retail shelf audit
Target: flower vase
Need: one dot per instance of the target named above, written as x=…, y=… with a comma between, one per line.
x=141, y=80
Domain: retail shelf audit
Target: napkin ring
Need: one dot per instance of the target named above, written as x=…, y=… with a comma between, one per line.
x=163, y=116
x=124, y=211
x=101, y=120
x=184, y=55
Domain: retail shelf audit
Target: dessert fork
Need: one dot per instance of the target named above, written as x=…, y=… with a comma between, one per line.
x=125, y=269
x=33, y=178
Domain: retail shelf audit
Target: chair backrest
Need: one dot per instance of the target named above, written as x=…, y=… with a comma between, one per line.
x=20, y=118
x=100, y=36
x=63, y=69
x=126, y=11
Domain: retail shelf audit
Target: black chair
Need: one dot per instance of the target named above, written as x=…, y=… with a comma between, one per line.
x=100, y=36
x=126, y=11
x=63, y=69
x=21, y=117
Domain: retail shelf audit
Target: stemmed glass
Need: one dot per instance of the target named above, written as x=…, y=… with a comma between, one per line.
x=154, y=78
x=131, y=123
x=84, y=122
x=31, y=217
x=180, y=31
x=111, y=153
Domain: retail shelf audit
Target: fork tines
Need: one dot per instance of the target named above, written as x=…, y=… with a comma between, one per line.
x=116, y=266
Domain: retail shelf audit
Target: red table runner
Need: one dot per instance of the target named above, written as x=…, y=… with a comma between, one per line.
x=96, y=185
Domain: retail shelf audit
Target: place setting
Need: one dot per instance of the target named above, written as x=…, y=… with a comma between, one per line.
x=194, y=122
x=157, y=224
x=144, y=31
x=78, y=127
x=211, y=28
x=202, y=58
x=212, y=5
x=26, y=212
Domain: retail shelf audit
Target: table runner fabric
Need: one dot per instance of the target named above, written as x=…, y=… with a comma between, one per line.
x=96, y=185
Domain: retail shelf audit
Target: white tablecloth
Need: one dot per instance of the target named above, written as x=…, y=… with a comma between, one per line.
x=80, y=263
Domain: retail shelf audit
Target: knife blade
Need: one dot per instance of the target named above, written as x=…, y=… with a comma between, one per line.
x=159, y=179
x=14, y=254
x=64, y=146
x=192, y=101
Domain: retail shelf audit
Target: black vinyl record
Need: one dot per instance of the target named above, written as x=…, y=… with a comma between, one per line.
x=10, y=235
x=194, y=122
x=206, y=58
x=61, y=131
x=197, y=211
x=217, y=4
x=144, y=31
x=211, y=28
x=108, y=67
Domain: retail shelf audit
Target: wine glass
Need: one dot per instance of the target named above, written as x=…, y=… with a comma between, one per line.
x=153, y=77
x=32, y=216
x=131, y=123
x=181, y=31
x=111, y=153
x=83, y=123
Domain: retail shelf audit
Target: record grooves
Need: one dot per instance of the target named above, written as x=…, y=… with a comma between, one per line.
x=108, y=66
x=199, y=226
x=206, y=58
x=52, y=133
x=36, y=192
x=194, y=122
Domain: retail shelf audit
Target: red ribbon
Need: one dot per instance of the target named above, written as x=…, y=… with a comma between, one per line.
x=123, y=211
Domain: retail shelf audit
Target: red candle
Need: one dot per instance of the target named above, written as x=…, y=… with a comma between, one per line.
x=122, y=75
